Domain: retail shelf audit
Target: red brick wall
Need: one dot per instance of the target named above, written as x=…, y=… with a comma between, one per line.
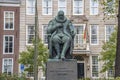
x=14, y=32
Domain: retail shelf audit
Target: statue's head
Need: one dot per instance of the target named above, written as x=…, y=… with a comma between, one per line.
x=61, y=14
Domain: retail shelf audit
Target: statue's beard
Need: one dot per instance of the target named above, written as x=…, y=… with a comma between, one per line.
x=61, y=19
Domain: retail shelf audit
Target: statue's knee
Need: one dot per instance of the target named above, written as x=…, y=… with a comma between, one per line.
x=67, y=39
x=55, y=39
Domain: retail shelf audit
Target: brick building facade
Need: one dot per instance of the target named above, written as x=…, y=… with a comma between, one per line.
x=9, y=36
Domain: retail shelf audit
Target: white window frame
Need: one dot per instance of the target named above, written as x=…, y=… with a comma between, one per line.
x=91, y=67
x=30, y=74
x=9, y=17
x=94, y=7
x=84, y=25
x=110, y=13
x=43, y=8
x=82, y=7
x=43, y=33
x=63, y=6
x=105, y=30
x=97, y=34
x=108, y=76
x=4, y=44
x=7, y=64
x=27, y=8
x=27, y=34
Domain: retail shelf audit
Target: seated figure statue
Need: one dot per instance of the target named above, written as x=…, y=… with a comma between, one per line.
x=60, y=37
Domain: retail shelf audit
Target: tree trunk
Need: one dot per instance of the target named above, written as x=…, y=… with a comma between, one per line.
x=117, y=61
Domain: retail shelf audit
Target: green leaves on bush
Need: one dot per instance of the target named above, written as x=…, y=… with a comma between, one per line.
x=12, y=77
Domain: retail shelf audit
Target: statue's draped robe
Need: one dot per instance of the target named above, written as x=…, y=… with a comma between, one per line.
x=68, y=30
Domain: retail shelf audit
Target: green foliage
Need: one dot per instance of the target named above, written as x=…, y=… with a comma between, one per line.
x=110, y=8
x=12, y=77
x=85, y=79
x=27, y=57
x=118, y=78
x=108, y=52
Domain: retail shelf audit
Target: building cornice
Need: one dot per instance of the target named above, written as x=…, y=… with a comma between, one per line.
x=10, y=4
x=10, y=1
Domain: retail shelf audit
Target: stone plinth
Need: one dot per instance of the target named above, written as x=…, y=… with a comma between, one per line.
x=61, y=70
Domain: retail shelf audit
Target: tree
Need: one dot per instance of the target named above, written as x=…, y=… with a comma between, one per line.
x=110, y=7
x=27, y=57
x=117, y=61
x=117, y=8
x=108, y=52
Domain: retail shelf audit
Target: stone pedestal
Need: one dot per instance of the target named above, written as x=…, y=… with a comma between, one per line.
x=61, y=70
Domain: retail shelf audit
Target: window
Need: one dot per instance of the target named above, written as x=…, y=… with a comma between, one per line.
x=62, y=5
x=45, y=34
x=8, y=44
x=95, y=66
x=47, y=7
x=94, y=34
x=110, y=73
x=94, y=7
x=30, y=33
x=78, y=7
x=7, y=66
x=108, y=31
x=8, y=20
x=30, y=7
x=79, y=34
x=30, y=74
x=110, y=9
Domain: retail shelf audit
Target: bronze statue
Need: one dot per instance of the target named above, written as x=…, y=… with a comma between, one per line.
x=60, y=37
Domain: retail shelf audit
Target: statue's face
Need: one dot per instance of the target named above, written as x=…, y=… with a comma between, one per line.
x=61, y=15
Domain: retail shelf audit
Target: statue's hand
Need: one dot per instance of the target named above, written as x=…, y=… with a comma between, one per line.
x=49, y=35
x=72, y=32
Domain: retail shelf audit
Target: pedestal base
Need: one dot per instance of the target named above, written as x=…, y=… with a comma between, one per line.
x=61, y=70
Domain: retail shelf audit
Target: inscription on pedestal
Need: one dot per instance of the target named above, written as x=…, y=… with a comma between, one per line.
x=61, y=70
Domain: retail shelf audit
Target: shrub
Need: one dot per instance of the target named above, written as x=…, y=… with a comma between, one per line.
x=118, y=78
x=12, y=77
x=85, y=79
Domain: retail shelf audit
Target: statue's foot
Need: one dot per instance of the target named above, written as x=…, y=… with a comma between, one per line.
x=57, y=57
x=62, y=57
